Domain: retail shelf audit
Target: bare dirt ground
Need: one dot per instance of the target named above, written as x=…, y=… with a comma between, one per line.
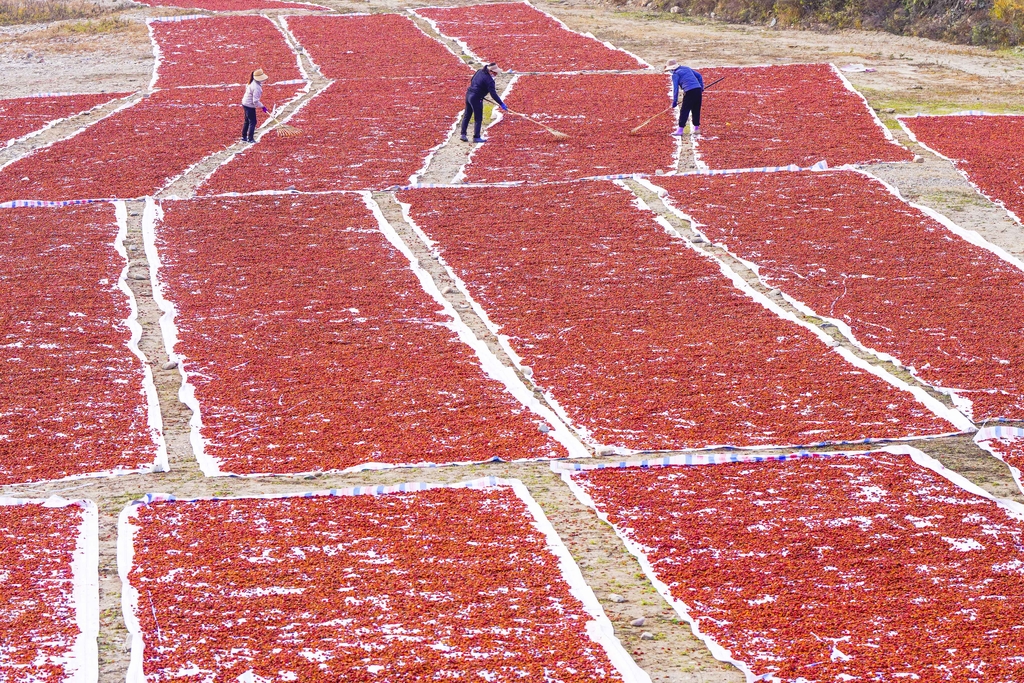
x=912, y=75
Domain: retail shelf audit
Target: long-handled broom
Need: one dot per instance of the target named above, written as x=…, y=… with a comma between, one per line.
x=662, y=113
x=558, y=135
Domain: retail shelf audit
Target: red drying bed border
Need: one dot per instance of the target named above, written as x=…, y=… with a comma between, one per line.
x=794, y=114
x=987, y=149
x=24, y=115
x=312, y=345
x=1007, y=444
x=230, y=5
x=447, y=583
x=135, y=151
x=376, y=46
x=869, y=566
x=74, y=400
x=221, y=51
x=49, y=590
x=597, y=111
x=520, y=37
x=350, y=139
x=904, y=283
x=644, y=343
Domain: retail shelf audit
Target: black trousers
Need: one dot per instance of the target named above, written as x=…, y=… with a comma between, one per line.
x=474, y=110
x=691, y=103
x=249, y=127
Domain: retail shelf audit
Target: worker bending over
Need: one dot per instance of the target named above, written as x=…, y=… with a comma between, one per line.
x=481, y=86
x=692, y=84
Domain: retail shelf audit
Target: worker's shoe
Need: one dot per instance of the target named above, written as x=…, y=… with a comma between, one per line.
x=464, y=138
x=679, y=131
x=696, y=131
x=478, y=140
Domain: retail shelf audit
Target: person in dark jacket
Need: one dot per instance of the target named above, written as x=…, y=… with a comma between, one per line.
x=692, y=84
x=481, y=86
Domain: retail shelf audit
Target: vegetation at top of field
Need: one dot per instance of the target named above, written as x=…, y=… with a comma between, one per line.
x=43, y=11
x=995, y=23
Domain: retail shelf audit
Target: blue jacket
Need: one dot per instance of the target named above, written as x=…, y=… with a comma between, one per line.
x=481, y=86
x=684, y=78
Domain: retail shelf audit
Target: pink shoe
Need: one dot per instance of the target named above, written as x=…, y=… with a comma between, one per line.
x=679, y=131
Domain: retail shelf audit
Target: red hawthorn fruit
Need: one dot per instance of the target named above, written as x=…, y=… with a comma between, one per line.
x=23, y=115
x=135, y=151
x=341, y=146
x=221, y=51
x=848, y=248
x=73, y=401
x=643, y=342
x=312, y=345
x=230, y=5
x=596, y=111
x=37, y=622
x=865, y=566
x=365, y=48
x=520, y=37
x=438, y=584
x=985, y=148
x=793, y=114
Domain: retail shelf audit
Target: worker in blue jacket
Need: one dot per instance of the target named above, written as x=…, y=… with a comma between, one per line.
x=481, y=86
x=692, y=84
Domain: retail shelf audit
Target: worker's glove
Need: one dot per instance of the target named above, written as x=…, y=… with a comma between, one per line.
x=503, y=107
x=265, y=110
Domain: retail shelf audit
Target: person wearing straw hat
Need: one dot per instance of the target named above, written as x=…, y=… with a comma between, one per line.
x=251, y=100
x=481, y=86
x=692, y=84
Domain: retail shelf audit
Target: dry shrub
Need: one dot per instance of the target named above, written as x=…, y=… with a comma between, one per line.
x=43, y=11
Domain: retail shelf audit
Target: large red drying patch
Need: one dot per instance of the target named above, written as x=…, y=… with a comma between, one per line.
x=779, y=115
x=986, y=148
x=376, y=46
x=644, y=343
x=350, y=139
x=135, y=151
x=221, y=51
x=906, y=285
x=445, y=584
x=73, y=401
x=597, y=111
x=37, y=622
x=24, y=115
x=866, y=567
x=229, y=5
x=520, y=37
x=312, y=345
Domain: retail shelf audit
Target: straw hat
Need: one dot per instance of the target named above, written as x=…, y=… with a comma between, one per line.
x=671, y=65
x=258, y=75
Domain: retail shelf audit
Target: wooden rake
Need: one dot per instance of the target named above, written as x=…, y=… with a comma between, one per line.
x=283, y=129
x=662, y=113
x=557, y=134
